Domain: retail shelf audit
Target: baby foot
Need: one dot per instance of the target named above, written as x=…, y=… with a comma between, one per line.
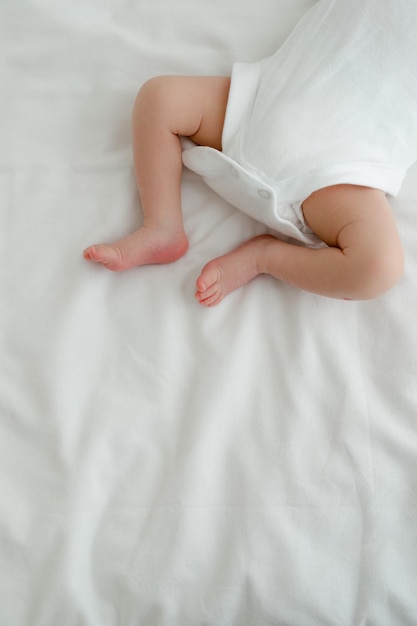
x=230, y=271
x=144, y=247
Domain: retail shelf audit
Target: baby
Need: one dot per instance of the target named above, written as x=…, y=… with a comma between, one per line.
x=308, y=141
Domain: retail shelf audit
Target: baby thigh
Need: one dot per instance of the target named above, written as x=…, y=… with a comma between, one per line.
x=359, y=221
x=191, y=106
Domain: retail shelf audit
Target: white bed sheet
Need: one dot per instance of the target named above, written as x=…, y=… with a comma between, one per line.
x=163, y=464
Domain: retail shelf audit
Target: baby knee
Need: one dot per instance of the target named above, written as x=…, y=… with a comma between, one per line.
x=380, y=270
x=152, y=90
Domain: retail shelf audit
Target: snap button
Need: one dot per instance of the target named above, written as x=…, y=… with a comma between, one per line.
x=234, y=172
x=264, y=193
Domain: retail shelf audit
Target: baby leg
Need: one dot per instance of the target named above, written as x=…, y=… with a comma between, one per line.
x=364, y=257
x=166, y=108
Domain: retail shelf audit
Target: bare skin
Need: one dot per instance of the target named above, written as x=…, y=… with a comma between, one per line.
x=364, y=257
x=164, y=104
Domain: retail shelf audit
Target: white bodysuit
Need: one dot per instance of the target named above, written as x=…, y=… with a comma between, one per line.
x=337, y=103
